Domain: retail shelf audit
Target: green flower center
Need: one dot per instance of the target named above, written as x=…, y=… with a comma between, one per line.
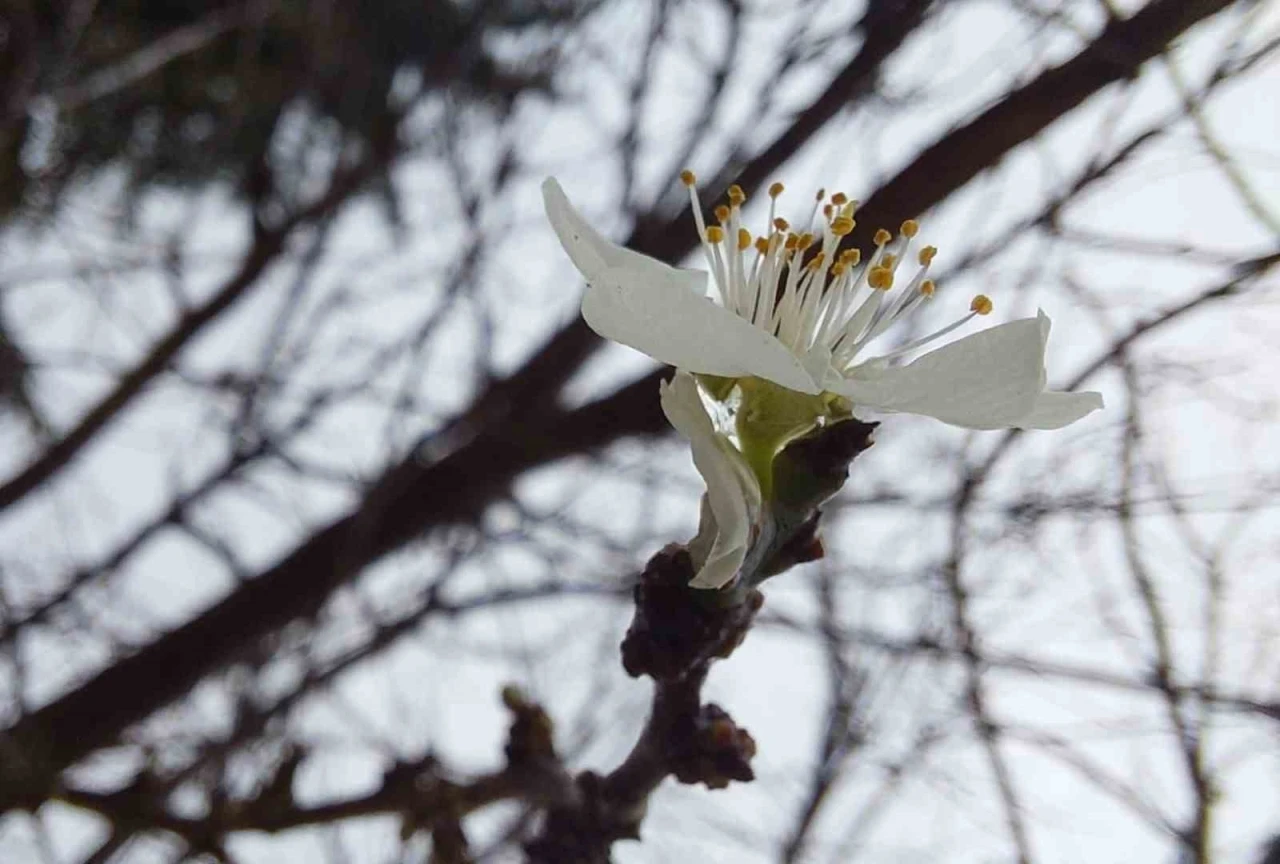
x=767, y=417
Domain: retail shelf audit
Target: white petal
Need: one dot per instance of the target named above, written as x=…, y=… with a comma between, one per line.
x=1054, y=409
x=989, y=380
x=663, y=311
x=732, y=490
x=593, y=254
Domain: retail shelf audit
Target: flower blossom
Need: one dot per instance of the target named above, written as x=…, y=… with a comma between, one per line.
x=797, y=310
x=788, y=347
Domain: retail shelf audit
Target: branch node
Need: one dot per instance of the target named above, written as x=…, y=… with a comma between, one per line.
x=711, y=749
x=677, y=628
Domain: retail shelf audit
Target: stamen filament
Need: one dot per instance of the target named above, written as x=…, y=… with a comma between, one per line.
x=802, y=288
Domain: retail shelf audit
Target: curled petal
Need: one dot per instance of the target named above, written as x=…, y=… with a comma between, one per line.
x=733, y=494
x=593, y=254
x=663, y=311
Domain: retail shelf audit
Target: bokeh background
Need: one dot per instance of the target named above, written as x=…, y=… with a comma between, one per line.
x=305, y=453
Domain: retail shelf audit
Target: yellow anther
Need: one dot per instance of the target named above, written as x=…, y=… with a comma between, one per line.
x=927, y=287
x=744, y=239
x=926, y=255
x=981, y=304
x=791, y=241
x=762, y=246
x=781, y=224
x=882, y=237
x=849, y=209
x=816, y=262
x=722, y=213
x=775, y=190
x=804, y=241
x=837, y=269
x=910, y=228
x=888, y=261
x=827, y=211
x=715, y=234
x=841, y=226
x=736, y=195
x=851, y=257
x=688, y=178
x=880, y=278
x=839, y=199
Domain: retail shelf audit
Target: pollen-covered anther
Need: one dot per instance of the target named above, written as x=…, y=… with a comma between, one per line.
x=762, y=245
x=827, y=210
x=851, y=257
x=888, y=261
x=882, y=237
x=927, y=287
x=791, y=242
x=880, y=278
x=736, y=195
x=804, y=241
x=722, y=213
x=841, y=226
x=910, y=228
x=776, y=189
x=781, y=224
x=744, y=239
x=688, y=178
x=715, y=234
x=981, y=304
x=839, y=199
x=816, y=262
x=926, y=255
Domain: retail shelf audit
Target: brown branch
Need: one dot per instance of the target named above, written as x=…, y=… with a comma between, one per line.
x=420, y=792
x=677, y=632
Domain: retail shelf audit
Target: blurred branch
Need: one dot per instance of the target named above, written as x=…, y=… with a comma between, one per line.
x=1253, y=202
x=842, y=734
x=968, y=646
x=268, y=244
x=408, y=500
x=421, y=793
x=1117, y=54
x=149, y=59
x=1190, y=739
x=999, y=661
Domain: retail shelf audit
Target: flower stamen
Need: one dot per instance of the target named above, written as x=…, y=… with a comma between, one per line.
x=803, y=288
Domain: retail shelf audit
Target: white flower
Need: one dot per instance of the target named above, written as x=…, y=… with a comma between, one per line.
x=797, y=310
x=732, y=504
